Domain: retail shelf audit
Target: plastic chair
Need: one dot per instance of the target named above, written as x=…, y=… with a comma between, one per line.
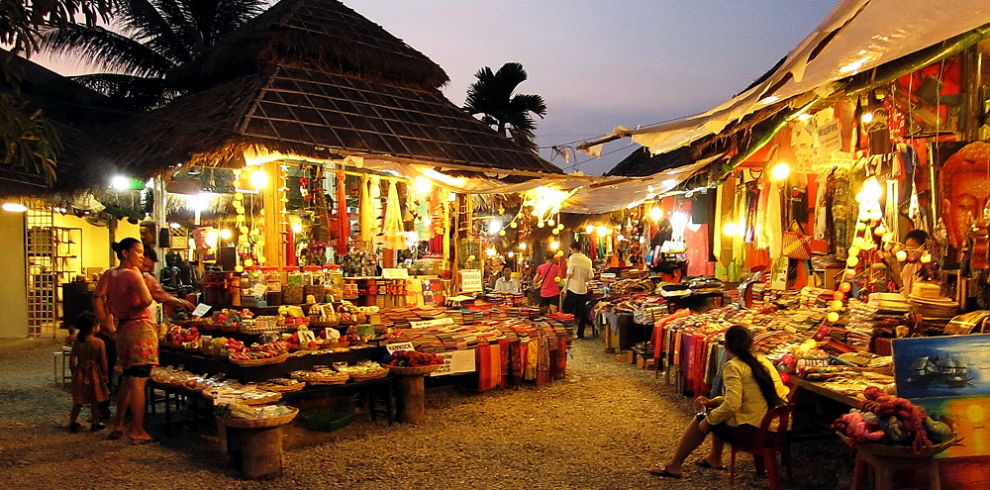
x=767, y=446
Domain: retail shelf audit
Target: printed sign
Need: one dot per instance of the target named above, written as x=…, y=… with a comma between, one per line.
x=398, y=273
x=201, y=310
x=456, y=362
x=471, y=280
x=439, y=322
x=608, y=275
x=259, y=289
x=399, y=346
x=829, y=137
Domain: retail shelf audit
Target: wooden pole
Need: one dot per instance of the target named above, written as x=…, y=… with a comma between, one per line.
x=274, y=229
x=411, y=399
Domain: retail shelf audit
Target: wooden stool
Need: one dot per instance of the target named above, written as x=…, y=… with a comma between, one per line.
x=886, y=466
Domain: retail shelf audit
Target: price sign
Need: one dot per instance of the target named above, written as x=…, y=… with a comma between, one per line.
x=399, y=346
x=608, y=275
x=439, y=322
x=224, y=398
x=200, y=310
x=399, y=273
x=456, y=362
x=259, y=289
x=471, y=280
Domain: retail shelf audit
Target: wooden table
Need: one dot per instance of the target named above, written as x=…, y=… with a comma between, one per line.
x=827, y=393
x=200, y=364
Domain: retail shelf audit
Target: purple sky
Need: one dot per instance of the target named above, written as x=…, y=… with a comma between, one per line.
x=600, y=64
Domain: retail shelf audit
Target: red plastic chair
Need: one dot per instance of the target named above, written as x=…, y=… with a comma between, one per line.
x=767, y=446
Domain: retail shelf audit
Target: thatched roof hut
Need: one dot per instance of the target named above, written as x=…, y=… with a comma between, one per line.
x=315, y=79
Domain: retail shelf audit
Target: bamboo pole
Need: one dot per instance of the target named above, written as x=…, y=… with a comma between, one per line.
x=275, y=241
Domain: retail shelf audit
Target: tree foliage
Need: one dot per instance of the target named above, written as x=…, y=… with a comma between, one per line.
x=492, y=97
x=30, y=142
x=148, y=40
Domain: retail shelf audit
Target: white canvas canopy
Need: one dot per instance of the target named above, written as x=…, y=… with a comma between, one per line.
x=857, y=36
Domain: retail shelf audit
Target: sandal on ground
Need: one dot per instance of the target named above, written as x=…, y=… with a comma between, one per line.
x=115, y=435
x=97, y=427
x=141, y=442
x=74, y=427
x=703, y=463
x=660, y=470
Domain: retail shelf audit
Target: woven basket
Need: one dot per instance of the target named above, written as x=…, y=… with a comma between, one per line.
x=320, y=378
x=277, y=388
x=260, y=423
x=372, y=375
x=898, y=451
x=259, y=362
x=413, y=371
x=272, y=398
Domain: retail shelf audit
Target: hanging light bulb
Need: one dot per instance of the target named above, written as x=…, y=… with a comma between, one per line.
x=297, y=228
x=259, y=179
x=452, y=197
x=522, y=245
x=602, y=231
x=867, y=117
x=589, y=229
x=490, y=252
x=226, y=234
x=730, y=229
x=495, y=226
x=780, y=172
x=655, y=214
x=554, y=245
x=422, y=185
x=511, y=254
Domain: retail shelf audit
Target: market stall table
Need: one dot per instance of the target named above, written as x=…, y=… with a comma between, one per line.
x=201, y=364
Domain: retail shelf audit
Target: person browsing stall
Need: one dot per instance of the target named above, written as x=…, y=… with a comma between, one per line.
x=158, y=293
x=505, y=283
x=579, y=272
x=123, y=295
x=546, y=277
x=752, y=388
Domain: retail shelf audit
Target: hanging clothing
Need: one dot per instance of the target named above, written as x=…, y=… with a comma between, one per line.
x=394, y=230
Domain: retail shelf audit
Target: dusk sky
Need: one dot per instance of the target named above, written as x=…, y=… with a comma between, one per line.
x=600, y=64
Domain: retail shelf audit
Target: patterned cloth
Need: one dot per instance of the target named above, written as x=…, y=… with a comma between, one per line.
x=137, y=335
x=89, y=378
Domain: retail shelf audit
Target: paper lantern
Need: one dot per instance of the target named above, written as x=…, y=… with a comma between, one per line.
x=838, y=296
x=833, y=317
x=852, y=262
x=845, y=287
x=835, y=306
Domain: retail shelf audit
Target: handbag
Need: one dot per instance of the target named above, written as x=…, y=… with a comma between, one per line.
x=796, y=245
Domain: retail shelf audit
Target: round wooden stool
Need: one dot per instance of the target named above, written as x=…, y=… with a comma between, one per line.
x=888, y=460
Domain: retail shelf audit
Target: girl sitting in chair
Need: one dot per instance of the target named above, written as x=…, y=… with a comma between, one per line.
x=752, y=388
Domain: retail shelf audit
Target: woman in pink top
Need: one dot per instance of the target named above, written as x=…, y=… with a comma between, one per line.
x=546, y=275
x=123, y=296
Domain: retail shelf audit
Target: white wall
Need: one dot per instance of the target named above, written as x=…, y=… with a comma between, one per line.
x=13, y=287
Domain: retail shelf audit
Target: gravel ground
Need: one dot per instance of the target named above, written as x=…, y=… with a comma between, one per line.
x=600, y=428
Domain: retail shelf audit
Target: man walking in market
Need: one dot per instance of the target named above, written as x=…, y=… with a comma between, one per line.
x=579, y=272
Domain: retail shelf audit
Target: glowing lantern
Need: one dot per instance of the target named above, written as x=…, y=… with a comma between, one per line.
x=554, y=245
x=901, y=256
x=780, y=172
x=833, y=317
x=730, y=229
x=226, y=234
x=655, y=214
x=835, y=306
x=845, y=287
x=589, y=229
x=259, y=179
x=852, y=262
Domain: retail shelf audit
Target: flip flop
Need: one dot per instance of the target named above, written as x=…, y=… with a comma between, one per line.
x=659, y=470
x=141, y=442
x=703, y=463
x=115, y=435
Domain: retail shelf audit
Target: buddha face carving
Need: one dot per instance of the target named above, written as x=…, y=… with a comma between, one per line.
x=965, y=186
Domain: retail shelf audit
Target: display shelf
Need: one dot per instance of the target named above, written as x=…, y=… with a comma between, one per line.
x=200, y=364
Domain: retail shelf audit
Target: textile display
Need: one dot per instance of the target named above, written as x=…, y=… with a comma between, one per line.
x=394, y=230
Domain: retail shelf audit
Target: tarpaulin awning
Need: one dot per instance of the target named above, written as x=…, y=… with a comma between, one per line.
x=857, y=36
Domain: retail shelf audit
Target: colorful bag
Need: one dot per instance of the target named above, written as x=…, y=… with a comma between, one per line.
x=796, y=245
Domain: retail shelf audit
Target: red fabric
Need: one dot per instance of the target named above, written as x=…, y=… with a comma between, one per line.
x=484, y=363
x=503, y=350
x=518, y=362
x=342, y=220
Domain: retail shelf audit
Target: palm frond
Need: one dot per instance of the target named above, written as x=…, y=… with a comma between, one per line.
x=142, y=21
x=491, y=96
x=106, y=50
x=529, y=103
x=130, y=93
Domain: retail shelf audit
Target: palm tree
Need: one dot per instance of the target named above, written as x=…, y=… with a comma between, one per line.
x=491, y=96
x=146, y=42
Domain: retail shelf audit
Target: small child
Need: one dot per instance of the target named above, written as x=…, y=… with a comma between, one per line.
x=88, y=363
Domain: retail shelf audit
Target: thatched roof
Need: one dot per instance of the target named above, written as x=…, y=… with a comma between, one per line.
x=73, y=109
x=640, y=163
x=326, y=83
x=316, y=114
x=318, y=33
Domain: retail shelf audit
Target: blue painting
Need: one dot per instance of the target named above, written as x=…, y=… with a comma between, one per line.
x=929, y=367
